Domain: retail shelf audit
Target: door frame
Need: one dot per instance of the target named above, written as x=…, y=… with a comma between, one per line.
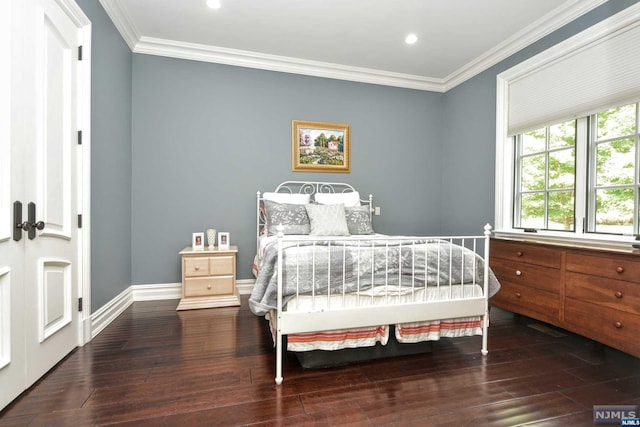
x=83, y=25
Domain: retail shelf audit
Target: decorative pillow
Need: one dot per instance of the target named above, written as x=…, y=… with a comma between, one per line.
x=327, y=220
x=358, y=220
x=289, y=198
x=293, y=217
x=347, y=199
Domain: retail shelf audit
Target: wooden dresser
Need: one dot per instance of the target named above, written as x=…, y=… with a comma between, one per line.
x=208, y=278
x=592, y=292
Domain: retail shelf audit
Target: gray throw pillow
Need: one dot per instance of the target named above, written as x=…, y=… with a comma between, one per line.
x=358, y=220
x=293, y=218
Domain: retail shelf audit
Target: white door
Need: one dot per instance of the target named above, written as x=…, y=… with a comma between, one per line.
x=12, y=363
x=42, y=269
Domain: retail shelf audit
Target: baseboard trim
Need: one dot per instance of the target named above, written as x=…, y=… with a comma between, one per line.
x=157, y=292
x=108, y=312
x=152, y=292
x=245, y=286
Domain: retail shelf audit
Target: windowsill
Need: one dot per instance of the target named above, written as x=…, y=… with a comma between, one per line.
x=594, y=241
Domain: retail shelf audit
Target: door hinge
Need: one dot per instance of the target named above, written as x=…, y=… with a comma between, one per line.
x=80, y=304
x=79, y=220
x=80, y=53
x=79, y=137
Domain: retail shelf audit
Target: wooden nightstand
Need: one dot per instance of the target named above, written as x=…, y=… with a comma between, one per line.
x=208, y=278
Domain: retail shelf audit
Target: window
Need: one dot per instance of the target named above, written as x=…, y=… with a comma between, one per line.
x=547, y=179
x=546, y=169
x=613, y=205
x=567, y=149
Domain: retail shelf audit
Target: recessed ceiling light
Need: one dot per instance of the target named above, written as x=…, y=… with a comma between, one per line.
x=411, y=39
x=214, y=4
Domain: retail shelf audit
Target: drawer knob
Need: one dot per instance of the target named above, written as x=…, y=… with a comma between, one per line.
x=618, y=294
x=620, y=269
x=209, y=287
x=518, y=273
x=518, y=294
x=197, y=268
x=618, y=325
x=519, y=253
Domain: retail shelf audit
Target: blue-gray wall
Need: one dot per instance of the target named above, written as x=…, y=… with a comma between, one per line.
x=180, y=146
x=111, y=62
x=207, y=137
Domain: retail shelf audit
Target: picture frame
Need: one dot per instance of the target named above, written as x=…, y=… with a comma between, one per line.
x=197, y=241
x=223, y=241
x=320, y=146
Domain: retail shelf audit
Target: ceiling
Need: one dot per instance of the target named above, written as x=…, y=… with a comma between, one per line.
x=356, y=40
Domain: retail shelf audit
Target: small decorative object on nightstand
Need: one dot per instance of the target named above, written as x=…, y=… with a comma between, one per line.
x=208, y=278
x=211, y=237
x=224, y=240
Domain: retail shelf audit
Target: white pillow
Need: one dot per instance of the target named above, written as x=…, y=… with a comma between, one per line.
x=349, y=200
x=288, y=198
x=327, y=220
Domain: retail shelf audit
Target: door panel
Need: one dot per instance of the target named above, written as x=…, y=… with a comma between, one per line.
x=55, y=304
x=39, y=284
x=51, y=258
x=12, y=327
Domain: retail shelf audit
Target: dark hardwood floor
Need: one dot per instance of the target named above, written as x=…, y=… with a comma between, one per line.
x=215, y=367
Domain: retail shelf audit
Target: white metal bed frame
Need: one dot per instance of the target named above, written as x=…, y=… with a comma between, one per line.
x=289, y=322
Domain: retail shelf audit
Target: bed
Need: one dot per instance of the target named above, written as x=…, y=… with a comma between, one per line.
x=325, y=281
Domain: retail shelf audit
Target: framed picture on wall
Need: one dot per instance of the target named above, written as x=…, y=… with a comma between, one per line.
x=197, y=241
x=320, y=147
x=223, y=241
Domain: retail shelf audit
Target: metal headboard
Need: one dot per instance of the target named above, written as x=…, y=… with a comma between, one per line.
x=305, y=187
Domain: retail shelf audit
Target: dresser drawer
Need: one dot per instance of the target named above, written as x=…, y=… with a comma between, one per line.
x=196, y=266
x=620, y=267
x=529, y=301
x=615, y=294
x=221, y=265
x=525, y=252
x=537, y=276
x=207, y=286
x=615, y=328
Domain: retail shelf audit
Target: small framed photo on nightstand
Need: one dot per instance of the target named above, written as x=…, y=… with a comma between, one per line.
x=197, y=241
x=223, y=241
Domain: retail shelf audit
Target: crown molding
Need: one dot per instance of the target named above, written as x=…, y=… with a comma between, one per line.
x=120, y=19
x=198, y=52
x=206, y=53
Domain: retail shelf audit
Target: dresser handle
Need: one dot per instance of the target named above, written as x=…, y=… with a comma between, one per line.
x=518, y=273
x=518, y=294
x=209, y=287
x=618, y=325
x=197, y=268
x=519, y=253
x=618, y=294
x=620, y=269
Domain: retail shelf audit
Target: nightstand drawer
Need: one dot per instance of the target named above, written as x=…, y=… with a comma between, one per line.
x=196, y=266
x=221, y=265
x=206, y=286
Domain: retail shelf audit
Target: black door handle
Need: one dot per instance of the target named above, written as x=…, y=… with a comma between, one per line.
x=17, y=220
x=30, y=226
x=32, y=221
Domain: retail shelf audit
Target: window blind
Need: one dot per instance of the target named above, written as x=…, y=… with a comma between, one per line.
x=587, y=73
